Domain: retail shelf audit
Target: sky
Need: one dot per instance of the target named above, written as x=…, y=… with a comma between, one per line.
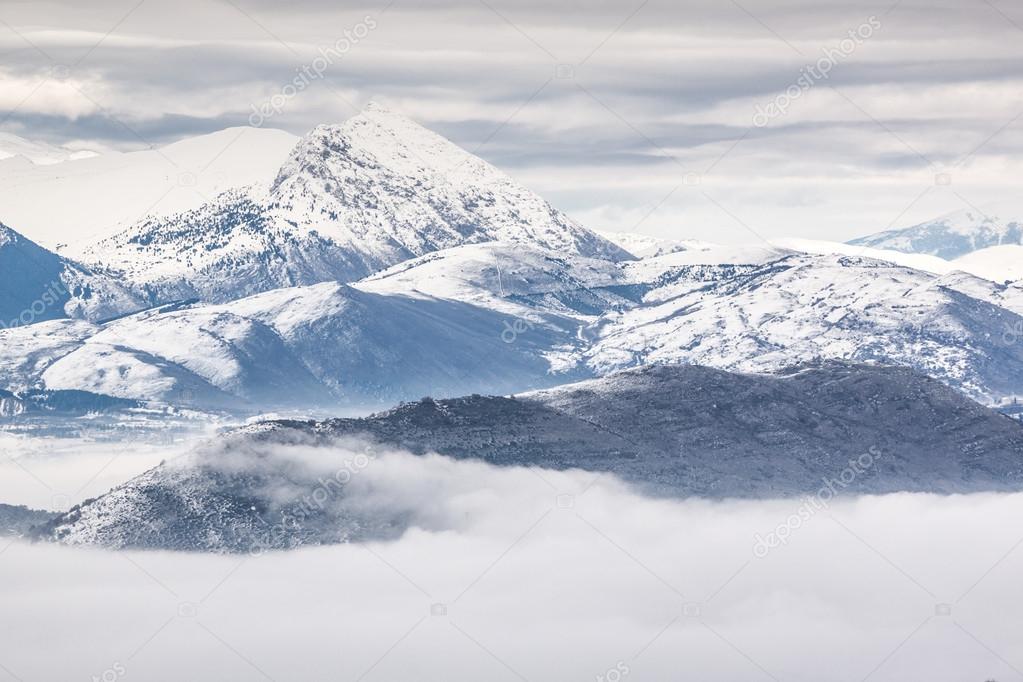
x=726, y=120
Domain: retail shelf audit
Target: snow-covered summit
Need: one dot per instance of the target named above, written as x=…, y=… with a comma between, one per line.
x=955, y=234
x=350, y=200
x=39, y=153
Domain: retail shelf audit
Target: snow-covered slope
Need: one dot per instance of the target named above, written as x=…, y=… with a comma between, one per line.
x=917, y=261
x=352, y=199
x=996, y=263
x=646, y=246
x=499, y=317
x=90, y=199
x=511, y=279
x=953, y=235
x=488, y=317
x=676, y=431
x=805, y=307
x=38, y=285
x=38, y=153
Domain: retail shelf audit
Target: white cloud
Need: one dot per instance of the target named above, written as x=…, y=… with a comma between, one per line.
x=549, y=590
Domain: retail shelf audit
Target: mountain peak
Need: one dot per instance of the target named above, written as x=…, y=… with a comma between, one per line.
x=384, y=181
x=351, y=199
x=39, y=153
x=954, y=234
x=376, y=107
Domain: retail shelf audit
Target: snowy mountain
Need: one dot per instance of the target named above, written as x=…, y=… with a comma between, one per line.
x=675, y=431
x=952, y=235
x=996, y=263
x=804, y=307
x=76, y=204
x=917, y=261
x=494, y=317
x=502, y=318
x=39, y=153
x=352, y=199
x=647, y=246
x=38, y=285
x=67, y=403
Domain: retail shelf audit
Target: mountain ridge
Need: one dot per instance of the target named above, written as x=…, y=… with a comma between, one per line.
x=675, y=431
x=952, y=235
x=351, y=199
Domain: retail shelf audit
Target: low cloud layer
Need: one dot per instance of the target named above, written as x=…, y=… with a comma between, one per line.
x=56, y=473
x=543, y=575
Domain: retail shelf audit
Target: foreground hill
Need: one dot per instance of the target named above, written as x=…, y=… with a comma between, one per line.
x=18, y=521
x=675, y=431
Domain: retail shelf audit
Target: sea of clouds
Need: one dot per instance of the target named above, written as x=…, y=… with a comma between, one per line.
x=531, y=574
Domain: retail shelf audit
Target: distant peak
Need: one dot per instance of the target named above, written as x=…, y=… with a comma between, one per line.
x=374, y=107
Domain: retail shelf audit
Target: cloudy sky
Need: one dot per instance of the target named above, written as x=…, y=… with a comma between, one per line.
x=717, y=119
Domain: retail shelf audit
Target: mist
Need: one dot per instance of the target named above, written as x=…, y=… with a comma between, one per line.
x=531, y=574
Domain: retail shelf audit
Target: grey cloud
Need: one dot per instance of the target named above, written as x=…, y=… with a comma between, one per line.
x=685, y=75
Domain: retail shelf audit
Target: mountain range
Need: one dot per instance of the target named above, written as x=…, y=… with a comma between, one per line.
x=510, y=318
x=372, y=263
x=669, y=430
x=350, y=200
x=382, y=263
x=953, y=235
x=14, y=149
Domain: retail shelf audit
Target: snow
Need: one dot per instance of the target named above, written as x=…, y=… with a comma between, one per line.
x=805, y=307
x=38, y=285
x=29, y=351
x=499, y=317
x=646, y=246
x=38, y=153
x=917, y=261
x=495, y=274
x=955, y=234
x=676, y=431
x=650, y=269
x=350, y=200
x=376, y=261
x=997, y=263
x=81, y=202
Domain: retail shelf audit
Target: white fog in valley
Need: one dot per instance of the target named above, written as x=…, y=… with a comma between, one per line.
x=511, y=573
x=54, y=473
